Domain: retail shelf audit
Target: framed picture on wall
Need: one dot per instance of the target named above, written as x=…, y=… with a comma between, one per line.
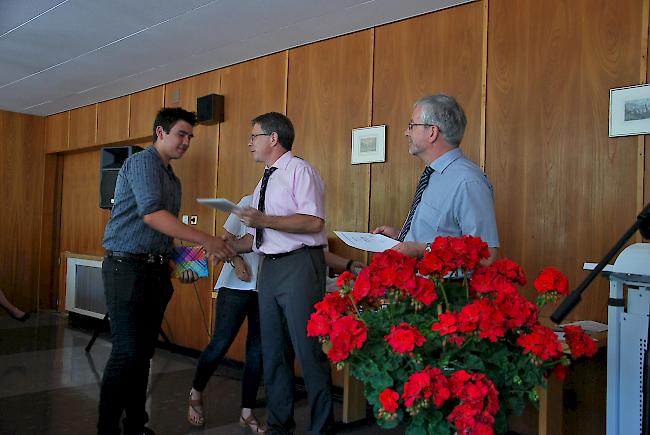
x=629, y=111
x=369, y=144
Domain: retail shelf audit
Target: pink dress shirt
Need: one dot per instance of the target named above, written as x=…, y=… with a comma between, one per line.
x=294, y=188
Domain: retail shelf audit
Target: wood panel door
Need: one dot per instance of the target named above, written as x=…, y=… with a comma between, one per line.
x=83, y=127
x=22, y=167
x=565, y=192
x=143, y=109
x=330, y=93
x=113, y=120
x=82, y=221
x=435, y=53
x=56, y=132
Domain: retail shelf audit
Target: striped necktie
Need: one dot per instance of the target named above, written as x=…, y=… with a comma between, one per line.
x=260, y=204
x=422, y=184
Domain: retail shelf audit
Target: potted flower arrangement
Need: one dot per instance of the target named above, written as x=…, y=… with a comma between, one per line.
x=443, y=344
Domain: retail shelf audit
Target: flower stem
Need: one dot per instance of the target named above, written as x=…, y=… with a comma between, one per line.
x=354, y=305
x=444, y=293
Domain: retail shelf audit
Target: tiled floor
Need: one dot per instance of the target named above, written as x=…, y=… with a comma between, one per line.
x=50, y=385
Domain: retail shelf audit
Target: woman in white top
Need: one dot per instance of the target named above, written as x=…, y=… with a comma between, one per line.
x=236, y=300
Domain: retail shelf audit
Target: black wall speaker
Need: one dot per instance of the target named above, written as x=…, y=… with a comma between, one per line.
x=111, y=162
x=209, y=109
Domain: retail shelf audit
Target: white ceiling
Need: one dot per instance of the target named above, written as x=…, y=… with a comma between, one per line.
x=57, y=55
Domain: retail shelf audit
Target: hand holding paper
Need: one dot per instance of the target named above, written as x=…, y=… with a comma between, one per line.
x=366, y=241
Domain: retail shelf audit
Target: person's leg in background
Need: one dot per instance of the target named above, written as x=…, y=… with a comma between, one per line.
x=230, y=312
x=253, y=365
x=11, y=309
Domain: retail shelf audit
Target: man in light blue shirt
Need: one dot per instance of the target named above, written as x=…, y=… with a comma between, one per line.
x=454, y=196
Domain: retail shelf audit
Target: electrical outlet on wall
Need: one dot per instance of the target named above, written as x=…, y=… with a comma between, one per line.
x=194, y=219
x=185, y=219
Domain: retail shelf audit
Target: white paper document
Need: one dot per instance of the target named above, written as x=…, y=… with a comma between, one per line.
x=366, y=241
x=589, y=325
x=219, y=203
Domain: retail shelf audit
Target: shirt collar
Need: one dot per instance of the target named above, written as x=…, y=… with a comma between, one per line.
x=283, y=161
x=441, y=163
x=152, y=149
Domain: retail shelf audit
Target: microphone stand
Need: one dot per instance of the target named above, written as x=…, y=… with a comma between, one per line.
x=643, y=225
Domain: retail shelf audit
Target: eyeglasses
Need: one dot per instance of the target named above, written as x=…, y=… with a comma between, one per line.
x=254, y=135
x=412, y=124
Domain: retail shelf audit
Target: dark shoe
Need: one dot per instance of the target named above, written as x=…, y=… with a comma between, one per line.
x=128, y=430
x=21, y=318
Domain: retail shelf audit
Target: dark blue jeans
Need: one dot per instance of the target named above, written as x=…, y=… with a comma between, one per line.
x=137, y=294
x=231, y=309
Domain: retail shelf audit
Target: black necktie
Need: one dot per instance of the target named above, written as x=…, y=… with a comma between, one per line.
x=422, y=184
x=260, y=204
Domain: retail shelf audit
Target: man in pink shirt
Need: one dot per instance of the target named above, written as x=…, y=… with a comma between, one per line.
x=287, y=229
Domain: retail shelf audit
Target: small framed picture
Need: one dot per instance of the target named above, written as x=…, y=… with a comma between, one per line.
x=629, y=111
x=369, y=144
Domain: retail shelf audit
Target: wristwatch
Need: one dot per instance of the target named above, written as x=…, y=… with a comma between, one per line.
x=427, y=248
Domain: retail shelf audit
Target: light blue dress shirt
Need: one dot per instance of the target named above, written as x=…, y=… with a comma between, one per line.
x=458, y=201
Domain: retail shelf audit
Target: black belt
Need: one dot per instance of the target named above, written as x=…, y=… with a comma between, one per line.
x=284, y=254
x=144, y=258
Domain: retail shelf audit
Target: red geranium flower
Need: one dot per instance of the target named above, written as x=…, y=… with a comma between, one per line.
x=446, y=324
x=551, y=280
x=560, y=371
x=347, y=334
x=404, y=337
x=344, y=279
x=579, y=342
x=542, y=342
x=388, y=399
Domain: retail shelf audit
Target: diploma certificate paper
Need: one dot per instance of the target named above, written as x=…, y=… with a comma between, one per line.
x=366, y=241
x=219, y=203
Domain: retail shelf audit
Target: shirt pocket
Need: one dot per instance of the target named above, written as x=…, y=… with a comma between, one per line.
x=428, y=219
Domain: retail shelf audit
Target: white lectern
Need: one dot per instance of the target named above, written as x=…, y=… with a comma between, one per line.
x=627, y=338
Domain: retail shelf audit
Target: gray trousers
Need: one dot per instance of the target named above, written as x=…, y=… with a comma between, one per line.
x=289, y=287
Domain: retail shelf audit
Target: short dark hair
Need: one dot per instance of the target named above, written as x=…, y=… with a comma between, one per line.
x=277, y=122
x=167, y=117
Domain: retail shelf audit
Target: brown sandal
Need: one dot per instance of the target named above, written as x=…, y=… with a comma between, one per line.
x=196, y=405
x=251, y=423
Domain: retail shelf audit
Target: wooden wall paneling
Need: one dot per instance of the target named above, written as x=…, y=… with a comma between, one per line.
x=187, y=319
x=329, y=94
x=82, y=221
x=250, y=89
x=56, y=130
x=48, y=285
x=22, y=167
x=113, y=120
x=143, y=109
x=435, y=53
x=565, y=192
x=83, y=127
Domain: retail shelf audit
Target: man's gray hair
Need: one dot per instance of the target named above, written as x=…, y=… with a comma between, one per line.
x=445, y=112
